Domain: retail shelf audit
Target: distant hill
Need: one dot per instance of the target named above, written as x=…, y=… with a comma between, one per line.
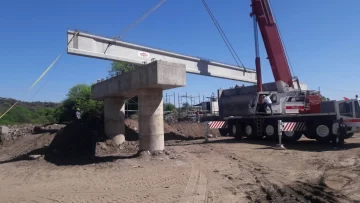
x=27, y=112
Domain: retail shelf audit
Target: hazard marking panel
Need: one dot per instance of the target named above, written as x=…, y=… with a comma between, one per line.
x=294, y=126
x=217, y=124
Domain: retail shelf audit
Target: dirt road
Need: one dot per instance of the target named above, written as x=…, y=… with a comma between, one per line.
x=222, y=170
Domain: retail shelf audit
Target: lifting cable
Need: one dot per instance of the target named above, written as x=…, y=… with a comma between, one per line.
x=225, y=39
x=33, y=85
x=40, y=77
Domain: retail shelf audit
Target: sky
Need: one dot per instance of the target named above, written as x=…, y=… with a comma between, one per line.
x=321, y=40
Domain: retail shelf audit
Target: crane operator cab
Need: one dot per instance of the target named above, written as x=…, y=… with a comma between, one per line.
x=349, y=110
x=256, y=104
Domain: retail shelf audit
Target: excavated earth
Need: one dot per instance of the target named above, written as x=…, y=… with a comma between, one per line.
x=72, y=165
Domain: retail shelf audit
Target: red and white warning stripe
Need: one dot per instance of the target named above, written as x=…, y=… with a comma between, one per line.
x=217, y=124
x=294, y=126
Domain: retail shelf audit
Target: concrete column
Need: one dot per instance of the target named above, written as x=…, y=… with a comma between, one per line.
x=114, y=116
x=151, y=121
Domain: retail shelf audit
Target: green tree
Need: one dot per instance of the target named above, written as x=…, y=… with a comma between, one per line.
x=323, y=98
x=79, y=96
x=169, y=107
x=118, y=67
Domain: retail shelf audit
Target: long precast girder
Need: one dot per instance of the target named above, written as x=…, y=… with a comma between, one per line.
x=83, y=44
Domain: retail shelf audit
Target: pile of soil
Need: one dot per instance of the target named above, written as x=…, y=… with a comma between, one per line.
x=74, y=140
x=173, y=131
x=192, y=130
x=22, y=130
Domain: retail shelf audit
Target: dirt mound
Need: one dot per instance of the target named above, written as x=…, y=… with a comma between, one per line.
x=74, y=140
x=195, y=130
x=18, y=131
x=173, y=131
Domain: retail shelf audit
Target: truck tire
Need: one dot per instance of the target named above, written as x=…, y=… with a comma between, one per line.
x=250, y=131
x=292, y=136
x=322, y=131
x=270, y=131
x=236, y=130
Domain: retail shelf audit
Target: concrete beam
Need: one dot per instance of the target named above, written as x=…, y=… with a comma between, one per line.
x=106, y=48
x=158, y=75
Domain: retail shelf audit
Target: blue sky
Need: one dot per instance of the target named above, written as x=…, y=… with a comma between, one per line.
x=322, y=40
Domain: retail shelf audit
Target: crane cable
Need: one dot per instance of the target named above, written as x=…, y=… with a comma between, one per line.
x=223, y=35
x=139, y=20
x=33, y=85
x=39, y=78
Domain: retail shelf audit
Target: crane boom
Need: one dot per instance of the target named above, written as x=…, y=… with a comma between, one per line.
x=273, y=44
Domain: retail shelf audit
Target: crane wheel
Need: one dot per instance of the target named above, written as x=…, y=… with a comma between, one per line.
x=322, y=131
x=236, y=130
x=292, y=136
x=250, y=131
x=270, y=131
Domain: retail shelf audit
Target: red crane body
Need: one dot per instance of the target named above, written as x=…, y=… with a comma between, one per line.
x=273, y=45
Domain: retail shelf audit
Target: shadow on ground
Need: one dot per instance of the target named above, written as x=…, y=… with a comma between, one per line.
x=132, y=135
x=39, y=130
x=61, y=160
x=300, y=145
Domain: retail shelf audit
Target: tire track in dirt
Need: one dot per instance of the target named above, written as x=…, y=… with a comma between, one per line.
x=268, y=182
x=201, y=190
x=196, y=189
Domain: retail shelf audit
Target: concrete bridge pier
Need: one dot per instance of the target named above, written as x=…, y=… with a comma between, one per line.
x=114, y=116
x=151, y=121
x=148, y=82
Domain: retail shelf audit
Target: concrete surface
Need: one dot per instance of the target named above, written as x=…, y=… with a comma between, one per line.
x=159, y=74
x=4, y=130
x=114, y=116
x=151, y=121
x=84, y=44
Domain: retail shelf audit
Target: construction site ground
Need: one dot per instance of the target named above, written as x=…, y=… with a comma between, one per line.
x=190, y=170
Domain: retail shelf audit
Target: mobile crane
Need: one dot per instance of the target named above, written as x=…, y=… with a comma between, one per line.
x=302, y=111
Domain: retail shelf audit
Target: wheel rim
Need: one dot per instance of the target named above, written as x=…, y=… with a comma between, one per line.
x=234, y=129
x=289, y=133
x=322, y=131
x=248, y=130
x=269, y=130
